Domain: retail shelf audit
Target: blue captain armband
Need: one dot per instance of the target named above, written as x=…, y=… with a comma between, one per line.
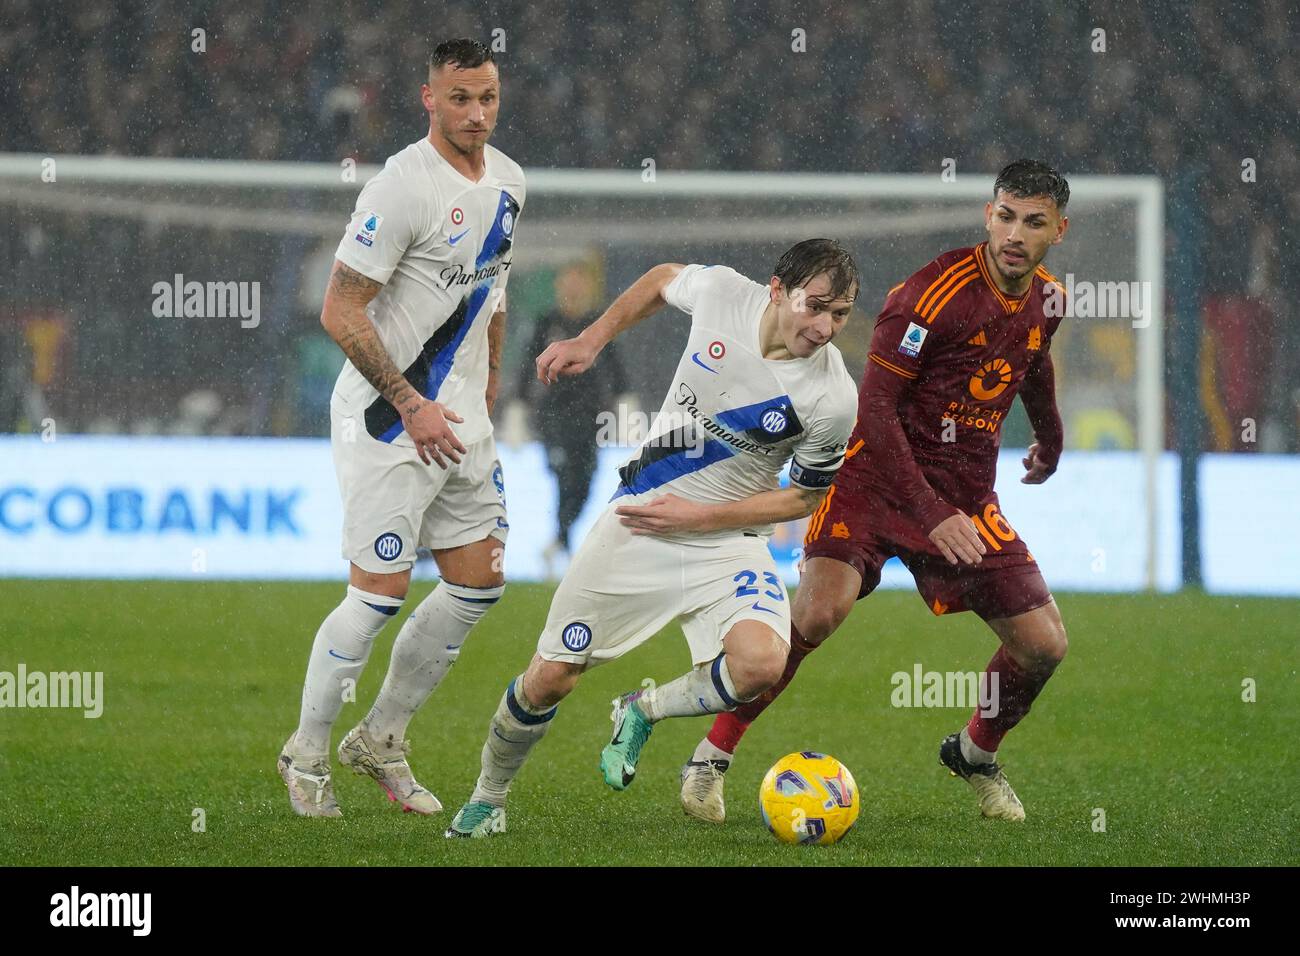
x=814, y=476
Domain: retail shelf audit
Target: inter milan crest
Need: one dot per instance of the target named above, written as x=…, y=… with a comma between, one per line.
x=576, y=637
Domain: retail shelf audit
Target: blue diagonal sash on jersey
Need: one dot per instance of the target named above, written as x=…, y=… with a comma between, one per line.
x=495, y=245
x=754, y=423
x=661, y=469
x=680, y=462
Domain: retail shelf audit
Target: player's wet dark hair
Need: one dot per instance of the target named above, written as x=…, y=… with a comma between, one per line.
x=1029, y=177
x=810, y=258
x=464, y=52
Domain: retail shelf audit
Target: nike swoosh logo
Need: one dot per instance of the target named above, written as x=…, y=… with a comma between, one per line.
x=452, y=240
x=342, y=658
x=758, y=607
x=696, y=359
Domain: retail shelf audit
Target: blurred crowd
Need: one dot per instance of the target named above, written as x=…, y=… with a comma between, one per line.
x=1201, y=92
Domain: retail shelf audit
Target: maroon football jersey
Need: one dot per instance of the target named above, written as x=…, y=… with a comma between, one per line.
x=949, y=353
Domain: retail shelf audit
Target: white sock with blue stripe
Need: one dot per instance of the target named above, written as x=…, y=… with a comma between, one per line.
x=337, y=658
x=426, y=648
x=708, y=689
x=516, y=728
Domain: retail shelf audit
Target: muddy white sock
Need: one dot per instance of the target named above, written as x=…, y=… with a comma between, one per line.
x=337, y=659
x=707, y=751
x=516, y=728
x=972, y=753
x=425, y=650
x=706, y=689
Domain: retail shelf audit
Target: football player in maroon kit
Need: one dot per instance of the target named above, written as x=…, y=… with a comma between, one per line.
x=952, y=348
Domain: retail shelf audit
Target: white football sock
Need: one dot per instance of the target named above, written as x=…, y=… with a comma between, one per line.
x=707, y=689
x=516, y=728
x=426, y=648
x=972, y=753
x=339, y=654
x=707, y=751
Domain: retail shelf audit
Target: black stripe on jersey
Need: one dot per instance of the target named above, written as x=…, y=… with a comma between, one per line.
x=659, y=448
x=381, y=415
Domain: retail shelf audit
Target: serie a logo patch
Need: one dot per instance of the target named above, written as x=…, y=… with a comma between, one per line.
x=913, y=339
x=369, y=227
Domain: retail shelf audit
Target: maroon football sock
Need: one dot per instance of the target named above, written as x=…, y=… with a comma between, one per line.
x=729, y=727
x=1016, y=690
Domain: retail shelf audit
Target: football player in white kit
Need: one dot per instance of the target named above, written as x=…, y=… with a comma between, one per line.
x=416, y=303
x=685, y=536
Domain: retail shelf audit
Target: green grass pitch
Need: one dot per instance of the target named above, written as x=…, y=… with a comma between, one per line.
x=1145, y=721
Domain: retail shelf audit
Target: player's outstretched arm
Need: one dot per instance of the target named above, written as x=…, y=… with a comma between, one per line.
x=1038, y=393
x=671, y=514
x=344, y=318
x=643, y=298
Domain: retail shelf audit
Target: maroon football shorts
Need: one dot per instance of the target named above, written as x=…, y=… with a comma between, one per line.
x=856, y=527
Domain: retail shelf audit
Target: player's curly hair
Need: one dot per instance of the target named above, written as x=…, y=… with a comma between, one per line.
x=464, y=52
x=1030, y=177
x=805, y=260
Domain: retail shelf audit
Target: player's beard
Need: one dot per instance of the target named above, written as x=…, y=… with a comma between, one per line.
x=1026, y=268
x=463, y=141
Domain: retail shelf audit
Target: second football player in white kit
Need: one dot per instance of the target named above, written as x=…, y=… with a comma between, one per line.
x=685, y=536
x=416, y=303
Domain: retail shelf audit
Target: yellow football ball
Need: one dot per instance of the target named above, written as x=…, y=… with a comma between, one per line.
x=809, y=798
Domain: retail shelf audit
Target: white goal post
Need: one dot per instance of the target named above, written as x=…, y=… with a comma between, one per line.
x=174, y=191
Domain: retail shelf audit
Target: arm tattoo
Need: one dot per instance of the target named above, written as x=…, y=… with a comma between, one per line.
x=349, y=293
x=348, y=284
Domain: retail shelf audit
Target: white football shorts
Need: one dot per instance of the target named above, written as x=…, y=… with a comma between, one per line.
x=394, y=503
x=621, y=589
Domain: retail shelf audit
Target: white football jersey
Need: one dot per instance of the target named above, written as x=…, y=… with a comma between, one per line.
x=732, y=419
x=441, y=245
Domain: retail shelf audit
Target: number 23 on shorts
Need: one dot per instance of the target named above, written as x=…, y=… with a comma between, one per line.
x=774, y=590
